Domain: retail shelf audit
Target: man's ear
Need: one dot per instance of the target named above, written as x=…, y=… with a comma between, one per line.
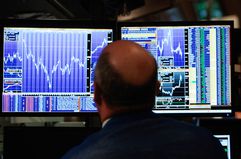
x=97, y=94
x=157, y=87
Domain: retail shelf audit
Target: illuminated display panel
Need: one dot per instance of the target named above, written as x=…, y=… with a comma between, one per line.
x=194, y=64
x=226, y=143
x=50, y=69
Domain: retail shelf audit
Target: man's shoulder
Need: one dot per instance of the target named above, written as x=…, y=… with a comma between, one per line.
x=150, y=132
x=83, y=149
x=149, y=120
x=156, y=126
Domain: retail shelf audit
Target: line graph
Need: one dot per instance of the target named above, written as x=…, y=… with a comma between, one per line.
x=13, y=84
x=98, y=47
x=167, y=101
x=11, y=59
x=52, y=61
x=172, y=84
x=172, y=91
x=170, y=44
x=55, y=66
x=99, y=41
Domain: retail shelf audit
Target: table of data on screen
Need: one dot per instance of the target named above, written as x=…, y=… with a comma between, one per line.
x=193, y=64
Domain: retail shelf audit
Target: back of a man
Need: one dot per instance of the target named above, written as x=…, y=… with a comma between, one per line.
x=148, y=136
x=125, y=88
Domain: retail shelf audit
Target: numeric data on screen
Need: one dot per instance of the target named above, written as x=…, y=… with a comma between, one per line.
x=193, y=65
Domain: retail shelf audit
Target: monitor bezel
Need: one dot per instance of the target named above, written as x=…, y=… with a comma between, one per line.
x=224, y=126
x=58, y=23
x=186, y=24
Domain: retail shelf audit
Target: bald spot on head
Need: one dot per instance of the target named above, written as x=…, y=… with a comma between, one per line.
x=131, y=61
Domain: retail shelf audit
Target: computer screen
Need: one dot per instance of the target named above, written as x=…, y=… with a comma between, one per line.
x=226, y=143
x=48, y=66
x=194, y=64
x=225, y=129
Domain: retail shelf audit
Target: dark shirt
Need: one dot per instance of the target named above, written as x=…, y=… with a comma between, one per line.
x=148, y=136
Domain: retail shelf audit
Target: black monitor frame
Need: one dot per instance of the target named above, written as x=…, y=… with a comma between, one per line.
x=186, y=24
x=63, y=23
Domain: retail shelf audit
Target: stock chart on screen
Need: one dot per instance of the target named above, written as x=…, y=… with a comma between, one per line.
x=194, y=67
x=50, y=69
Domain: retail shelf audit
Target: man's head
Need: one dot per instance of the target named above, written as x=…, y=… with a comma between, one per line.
x=125, y=79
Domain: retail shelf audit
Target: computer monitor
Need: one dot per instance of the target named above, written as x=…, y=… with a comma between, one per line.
x=48, y=65
x=226, y=143
x=194, y=64
x=225, y=127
